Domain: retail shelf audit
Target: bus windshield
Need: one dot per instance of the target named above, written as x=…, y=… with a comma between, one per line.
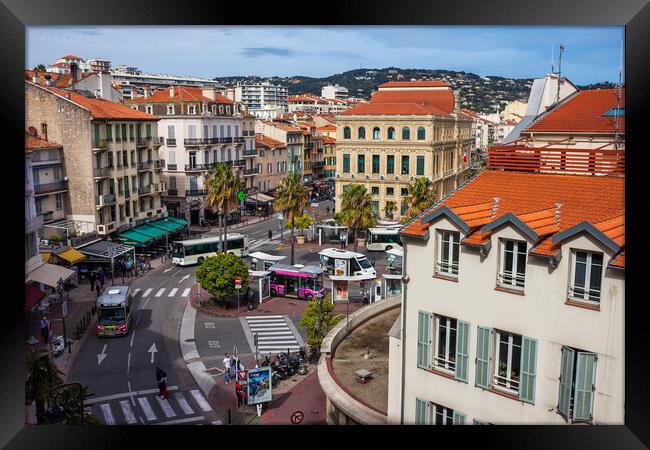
x=178, y=251
x=364, y=263
x=315, y=283
x=111, y=315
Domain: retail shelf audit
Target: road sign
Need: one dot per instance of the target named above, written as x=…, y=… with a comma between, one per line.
x=237, y=283
x=241, y=196
x=297, y=417
x=242, y=375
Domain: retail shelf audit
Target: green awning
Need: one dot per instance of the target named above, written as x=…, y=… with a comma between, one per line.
x=169, y=226
x=178, y=221
x=132, y=237
x=147, y=229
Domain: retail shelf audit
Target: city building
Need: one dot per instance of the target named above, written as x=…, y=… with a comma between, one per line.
x=503, y=129
x=262, y=98
x=99, y=83
x=514, y=110
x=334, y=92
x=408, y=130
x=292, y=136
x=329, y=157
x=311, y=103
x=110, y=157
x=514, y=307
x=270, y=158
x=200, y=128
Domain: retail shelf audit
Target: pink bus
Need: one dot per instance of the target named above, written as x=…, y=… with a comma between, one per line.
x=296, y=281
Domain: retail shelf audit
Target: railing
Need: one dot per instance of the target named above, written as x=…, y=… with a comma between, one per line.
x=557, y=160
x=120, y=166
x=47, y=216
x=172, y=192
x=238, y=140
x=104, y=200
x=197, y=167
x=38, y=158
x=146, y=189
x=584, y=293
x=158, y=140
x=225, y=140
x=253, y=152
x=508, y=280
x=142, y=141
x=100, y=172
x=193, y=141
x=253, y=171
x=145, y=165
x=171, y=142
x=127, y=194
x=60, y=185
x=172, y=167
x=190, y=192
x=447, y=268
x=159, y=164
x=134, y=189
x=238, y=163
x=318, y=163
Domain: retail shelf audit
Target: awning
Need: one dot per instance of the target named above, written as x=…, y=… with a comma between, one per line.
x=167, y=226
x=49, y=274
x=261, y=198
x=134, y=238
x=72, y=256
x=100, y=249
x=45, y=256
x=178, y=221
x=147, y=229
x=33, y=295
x=266, y=256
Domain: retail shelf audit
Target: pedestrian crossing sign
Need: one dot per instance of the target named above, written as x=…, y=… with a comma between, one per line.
x=242, y=374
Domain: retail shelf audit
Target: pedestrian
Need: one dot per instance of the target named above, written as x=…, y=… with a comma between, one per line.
x=98, y=288
x=240, y=393
x=270, y=235
x=161, y=378
x=226, y=368
x=91, y=279
x=101, y=276
x=45, y=328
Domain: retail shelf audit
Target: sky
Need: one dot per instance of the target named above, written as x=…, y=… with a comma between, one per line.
x=592, y=54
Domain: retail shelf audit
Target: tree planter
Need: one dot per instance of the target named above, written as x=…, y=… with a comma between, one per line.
x=300, y=239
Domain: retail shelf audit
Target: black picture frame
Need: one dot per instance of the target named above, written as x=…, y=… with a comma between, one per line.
x=15, y=15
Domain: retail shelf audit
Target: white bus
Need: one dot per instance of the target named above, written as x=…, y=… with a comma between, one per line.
x=382, y=239
x=194, y=251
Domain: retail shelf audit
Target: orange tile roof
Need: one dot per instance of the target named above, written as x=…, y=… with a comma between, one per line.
x=533, y=198
x=407, y=102
x=58, y=80
x=430, y=83
x=582, y=112
x=284, y=127
x=181, y=93
x=327, y=128
x=70, y=57
x=267, y=141
x=103, y=109
x=329, y=140
x=35, y=142
x=618, y=261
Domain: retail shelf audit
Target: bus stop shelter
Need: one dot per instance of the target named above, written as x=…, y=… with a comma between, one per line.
x=331, y=233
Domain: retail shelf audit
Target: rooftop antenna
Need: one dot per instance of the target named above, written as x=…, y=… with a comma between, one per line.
x=552, y=56
x=559, y=73
x=618, y=98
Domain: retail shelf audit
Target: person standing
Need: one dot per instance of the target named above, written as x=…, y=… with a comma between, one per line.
x=161, y=378
x=101, y=276
x=98, y=288
x=45, y=328
x=91, y=279
x=270, y=235
x=226, y=368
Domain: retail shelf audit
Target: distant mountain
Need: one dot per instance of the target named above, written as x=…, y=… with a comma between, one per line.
x=481, y=94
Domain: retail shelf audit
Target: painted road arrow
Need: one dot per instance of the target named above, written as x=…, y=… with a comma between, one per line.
x=184, y=278
x=152, y=350
x=167, y=270
x=102, y=355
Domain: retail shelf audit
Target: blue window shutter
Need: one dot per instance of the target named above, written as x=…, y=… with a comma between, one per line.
x=483, y=356
x=424, y=339
x=421, y=411
x=583, y=401
x=528, y=369
x=462, y=350
x=566, y=380
x=459, y=418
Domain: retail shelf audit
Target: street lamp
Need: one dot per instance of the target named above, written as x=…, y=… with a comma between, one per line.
x=64, y=311
x=319, y=297
x=166, y=241
x=110, y=251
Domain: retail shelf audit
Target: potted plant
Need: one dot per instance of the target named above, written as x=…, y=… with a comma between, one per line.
x=302, y=223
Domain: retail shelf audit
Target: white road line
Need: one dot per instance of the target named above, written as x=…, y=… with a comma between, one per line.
x=141, y=420
x=146, y=408
x=255, y=329
x=128, y=364
x=131, y=396
x=132, y=336
x=270, y=339
x=277, y=333
x=160, y=292
x=135, y=291
x=166, y=407
x=125, y=394
x=200, y=400
x=108, y=414
x=183, y=403
x=145, y=303
x=263, y=317
x=172, y=292
x=177, y=421
x=147, y=292
x=186, y=292
x=128, y=412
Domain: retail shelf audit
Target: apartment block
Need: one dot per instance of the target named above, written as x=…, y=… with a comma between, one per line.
x=263, y=99
x=292, y=136
x=271, y=163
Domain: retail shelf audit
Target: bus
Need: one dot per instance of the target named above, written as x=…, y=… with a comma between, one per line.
x=296, y=281
x=194, y=251
x=114, y=311
x=382, y=239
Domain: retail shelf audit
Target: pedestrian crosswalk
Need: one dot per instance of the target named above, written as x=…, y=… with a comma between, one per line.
x=146, y=407
x=273, y=333
x=255, y=243
x=161, y=292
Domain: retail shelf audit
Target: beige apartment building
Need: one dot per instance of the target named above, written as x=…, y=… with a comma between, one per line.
x=110, y=159
x=270, y=162
x=408, y=130
x=292, y=136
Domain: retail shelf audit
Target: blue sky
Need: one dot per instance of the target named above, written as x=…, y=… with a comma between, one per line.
x=591, y=54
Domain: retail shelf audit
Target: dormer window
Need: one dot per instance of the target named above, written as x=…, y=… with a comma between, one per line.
x=227, y=110
x=221, y=110
x=214, y=110
x=148, y=109
x=586, y=274
x=170, y=110
x=447, y=255
x=191, y=109
x=512, y=269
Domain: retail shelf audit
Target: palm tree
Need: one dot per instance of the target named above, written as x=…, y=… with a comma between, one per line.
x=390, y=208
x=42, y=376
x=421, y=196
x=223, y=187
x=292, y=198
x=356, y=209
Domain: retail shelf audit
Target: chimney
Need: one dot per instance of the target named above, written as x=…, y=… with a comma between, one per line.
x=495, y=206
x=44, y=130
x=147, y=91
x=557, y=213
x=172, y=91
x=209, y=92
x=75, y=72
x=48, y=80
x=35, y=78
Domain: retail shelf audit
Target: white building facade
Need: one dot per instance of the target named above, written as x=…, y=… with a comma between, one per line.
x=263, y=99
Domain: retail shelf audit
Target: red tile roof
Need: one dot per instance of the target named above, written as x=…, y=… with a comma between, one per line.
x=69, y=57
x=327, y=128
x=266, y=141
x=430, y=83
x=438, y=102
x=329, y=140
x=284, y=127
x=58, y=80
x=35, y=143
x=533, y=199
x=103, y=109
x=582, y=112
x=181, y=93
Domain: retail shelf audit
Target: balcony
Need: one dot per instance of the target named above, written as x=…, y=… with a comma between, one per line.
x=159, y=164
x=196, y=167
x=193, y=141
x=143, y=166
x=317, y=164
x=38, y=158
x=225, y=140
x=172, y=192
x=104, y=200
x=172, y=167
x=250, y=172
x=99, y=145
x=194, y=192
x=239, y=163
x=171, y=142
x=143, y=141
x=101, y=172
x=61, y=185
x=158, y=141
x=145, y=190
x=250, y=153
x=46, y=216
x=238, y=140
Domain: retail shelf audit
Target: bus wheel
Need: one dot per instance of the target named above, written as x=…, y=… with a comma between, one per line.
x=273, y=293
x=389, y=247
x=200, y=260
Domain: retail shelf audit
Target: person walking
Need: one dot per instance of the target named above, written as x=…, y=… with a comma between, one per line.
x=45, y=328
x=91, y=279
x=270, y=235
x=226, y=368
x=98, y=288
x=161, y=378
x=101, y=277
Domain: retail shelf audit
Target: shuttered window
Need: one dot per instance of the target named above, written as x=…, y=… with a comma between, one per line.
x=459, y=418
x=483, y=352
x=346, y=163
x=424, y=339
x=528, y=369
x=584, y=387
x=566, y=381
x=462, y=350
x=420, y=165
x=421, y=412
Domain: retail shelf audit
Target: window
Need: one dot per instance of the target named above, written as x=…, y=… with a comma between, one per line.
x=148, y=109
x=406, y=133
x=170, y=110
x=507, y=361
x=361, y=133
x=421, y=134
x=131, y=133
x=375, y=190
x=420, y=165
x=390, y=164
x=391, y=133
x=429, y=413
x=109, y=132
x=376, y=134
x=513, y=264
x=587, y=270
x=346, y=133
x=445, y=348
x=577, y=384
x=171, y=132
x=403, y=208
x=405, y=165
x=124, y=138
x=171, y=157
x=191, y=109
x=375, y=163
x=58, y=198
x=361, y=163
x=375, y=207
x=448, y=249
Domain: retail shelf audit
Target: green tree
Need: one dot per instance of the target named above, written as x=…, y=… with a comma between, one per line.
x=356, y=209
x=42, y=376
x=421, y=195
x=328, y=318
x=223, y=187
x=303, y=222
x=70, y=400
x=217, y=275
x=40, y=68
x=292, y=198
x=390, y=208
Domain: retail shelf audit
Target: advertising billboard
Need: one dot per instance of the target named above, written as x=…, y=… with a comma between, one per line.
x=259, y=385
x=341, y=291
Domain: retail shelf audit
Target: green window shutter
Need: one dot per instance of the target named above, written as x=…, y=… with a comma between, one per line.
x=478, y=422
x=109, y=132
x=459, y=418
x=424, y=339
x=148, y=131
x=566, y=380
x=462, y=350
x=420, y=165
x=483, y=356
x=421, y=411
x=528, y=368
x=583, y=398
x=346, y=163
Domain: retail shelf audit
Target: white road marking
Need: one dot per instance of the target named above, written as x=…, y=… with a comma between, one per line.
x=106, y=398
x=183, y=403
x=133, y=335
x=167, y=270
x=135, y=291
x=131, y=396
x=108, y=414
x=160, y=292
x=146, y=408
x=147, y=292
x=209, y=324
x=263, y=317
x=186, y=292
x=277, y=333
x=172, y=292
x=200, y=400
x=102, y=355
x=166, y=407
x=184, y=278
x=177, y=421
x=152, y=350
x=214, y=344
x=128, y=412
x=141, y=420
x=145, y=303
x=255, y=329
x=128, y=364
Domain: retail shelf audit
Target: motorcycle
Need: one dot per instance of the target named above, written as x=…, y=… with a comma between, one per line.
x=294, y=363
x=311, y=358
x=58, y=346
